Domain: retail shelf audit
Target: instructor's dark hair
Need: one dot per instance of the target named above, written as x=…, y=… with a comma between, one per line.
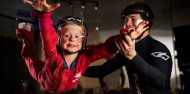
x=141, y=8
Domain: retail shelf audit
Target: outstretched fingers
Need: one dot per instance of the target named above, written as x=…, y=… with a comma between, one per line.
x=28, y=2
x=54, y=6
x=41, y=5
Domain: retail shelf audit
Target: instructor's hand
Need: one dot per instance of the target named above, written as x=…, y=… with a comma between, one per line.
x=126, y=46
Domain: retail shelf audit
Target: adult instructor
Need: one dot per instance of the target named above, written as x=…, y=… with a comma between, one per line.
x=148, y=62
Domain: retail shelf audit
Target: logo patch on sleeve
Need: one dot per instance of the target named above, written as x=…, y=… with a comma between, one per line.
x=161, y=55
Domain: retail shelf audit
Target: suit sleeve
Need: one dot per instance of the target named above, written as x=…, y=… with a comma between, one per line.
x=157, y=70
x=105, y=69
x=43, y=71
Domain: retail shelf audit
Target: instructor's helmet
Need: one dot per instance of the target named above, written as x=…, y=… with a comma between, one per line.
x=70, y=19
x=141, y=8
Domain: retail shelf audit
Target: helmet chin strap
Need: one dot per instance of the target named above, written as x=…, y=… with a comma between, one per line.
x=137, y=38
x=68, y=52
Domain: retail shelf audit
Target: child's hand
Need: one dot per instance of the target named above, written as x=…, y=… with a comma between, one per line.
x=24, y=35
x=41, y=5
x=25, y=25
x=136, y=32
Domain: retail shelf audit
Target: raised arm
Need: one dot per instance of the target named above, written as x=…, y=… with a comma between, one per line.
x=42, y=71
x=42, y=12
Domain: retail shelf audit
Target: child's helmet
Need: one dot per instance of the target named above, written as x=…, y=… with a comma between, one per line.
x=76, y=20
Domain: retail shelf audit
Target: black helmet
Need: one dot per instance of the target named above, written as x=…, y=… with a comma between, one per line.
x=63, y=22
x=139, y=8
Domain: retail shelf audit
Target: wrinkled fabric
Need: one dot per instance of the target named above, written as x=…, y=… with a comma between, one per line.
x=50, y=72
